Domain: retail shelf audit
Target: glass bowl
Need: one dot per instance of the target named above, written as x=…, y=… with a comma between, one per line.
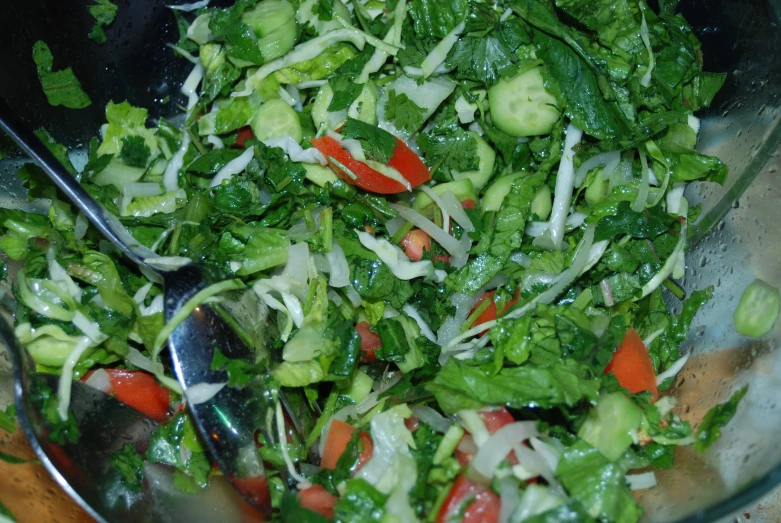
x=734, y=241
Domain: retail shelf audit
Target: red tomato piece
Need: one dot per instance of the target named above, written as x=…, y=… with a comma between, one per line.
x=496, y=419
x=245, y=133
x=368, y=450
x=490, y=312
x=255, y=490
x=317, y=499
x=468, y=204
x=466, y=450
x=403, y=160
x=370, y=342
x=412, y=423
x=141, y=391
x=414, y=243
x=632, y=366
x=339, y=436
x=484, y=508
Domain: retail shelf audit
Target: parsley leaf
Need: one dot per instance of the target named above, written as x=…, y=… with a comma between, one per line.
x=378, y=144
x=134, y=151
x=486, y=58
x=227, y=26
x=60, y=87
x=130, y=465
x=404, y=112
x=449, y=147
x=346, y=91
x=325, y=10
x=710, y=428
x=103, y=11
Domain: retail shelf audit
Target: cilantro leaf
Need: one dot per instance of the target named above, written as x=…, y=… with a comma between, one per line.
x=226, y=25
x=378, y=144
x=8, y=418
x=449, y=147
x=648, y=223
x=710, y=428
x=103, y=11
x=434, y=18
x=325, y=10
x=134, y=151
x=404, y=112
x=60, y=87
x=130, y=465
x=361, y=502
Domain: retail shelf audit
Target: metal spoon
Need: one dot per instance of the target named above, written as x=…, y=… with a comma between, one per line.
x=228, y=422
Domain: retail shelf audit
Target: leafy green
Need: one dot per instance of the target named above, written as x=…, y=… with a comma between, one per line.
x=716, y=418
x=8, y=418
x=597, y=484
x=5, y=513
x=501, y=238
x=460, y=385
x=164, y=447
x=404, y=112
x=104, y=12
x=449, y=147
x=60, y=87
x=378, y=144
x=227, y=26
x=436, y=19
x=134, y=151
x=130, y=465
x=360, y=503
x=648, y=223
x=576, y=88
x=487, y=58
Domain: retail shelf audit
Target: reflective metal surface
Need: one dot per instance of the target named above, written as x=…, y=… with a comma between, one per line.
x=105, y=425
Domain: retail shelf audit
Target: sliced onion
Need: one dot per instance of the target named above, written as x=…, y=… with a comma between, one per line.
x=609, y=161
x=454, y=208
x=233, y=167
x=474, y=424
x=334, y=297
x=566, y=278
x=135, y=358
x=394, y=225
x=295, y=152
x=565, y=182
x=500, y=443
x=81, y=226
x=171, y=174
x=168, y=263
x=451, y=327
x=437, y=55
x=353, y=296
x=66, y=378
x=202, y=392
x=438, y=201
x=450, y=244
x=645, y=480
x=88, y=327
x=100, y=380
x=521, y=258
x=415, y=315
x=510, y=497
x=674, y=369
x=215, y=141
x=431, y=417
x=642, y=193
x=340, y=271
x=189, y=7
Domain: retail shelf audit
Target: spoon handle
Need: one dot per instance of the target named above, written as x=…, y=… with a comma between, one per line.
x=108, y=224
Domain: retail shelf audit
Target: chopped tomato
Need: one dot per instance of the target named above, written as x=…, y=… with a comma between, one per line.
x=339, y=435
x=493, y=421
x=484, y=506
x=496, y=419
x=317, y=499
x=245, y=133
x=632, y=366
x=414, y=243
x=468, y=204
x=255, y=490
x=139, y=390
x=489, y=313
x=412, y=423
x=403, y=160
x=370, y=342
x=368, y=449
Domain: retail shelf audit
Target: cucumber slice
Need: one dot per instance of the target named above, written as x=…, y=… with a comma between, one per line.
x=360, y=387
x=278, y=42
x=541, y=203
x=485, y=167
x=276, y=119
x=521, y=106
x=757, y=310
x=609, y=425
x=319, y=175
x=462, y=189
x=364, y=108
x=494, y=195
x=268, y=16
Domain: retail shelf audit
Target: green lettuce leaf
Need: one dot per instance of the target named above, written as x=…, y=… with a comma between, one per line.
x=716, y=418
x=60, y=87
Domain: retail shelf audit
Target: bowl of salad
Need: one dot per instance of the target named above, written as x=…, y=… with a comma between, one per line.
x=516, y=259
